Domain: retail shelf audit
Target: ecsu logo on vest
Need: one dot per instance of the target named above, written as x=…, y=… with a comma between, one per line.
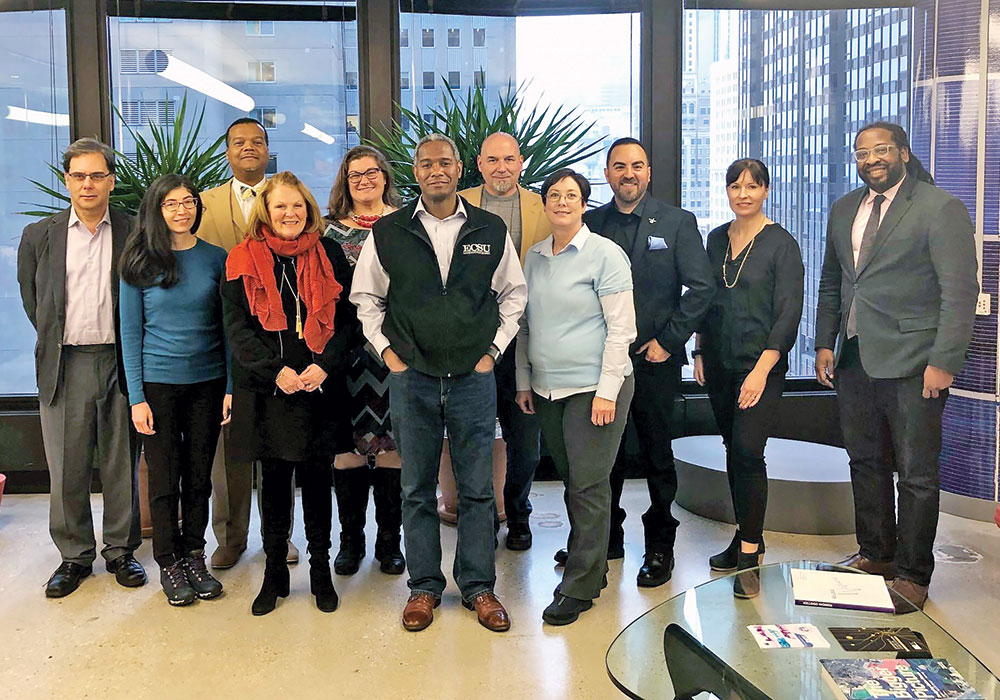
x=476, y=249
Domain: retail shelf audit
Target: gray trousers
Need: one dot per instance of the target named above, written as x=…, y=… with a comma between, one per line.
x=232, y=491
x=584, y=455
x=87, y=427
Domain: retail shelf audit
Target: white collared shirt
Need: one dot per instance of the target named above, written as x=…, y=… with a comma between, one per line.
x=90, y=316
x=246, y=204
x=865, y=212
x=370, y=284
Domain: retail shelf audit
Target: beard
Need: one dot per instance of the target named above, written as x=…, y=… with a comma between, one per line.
x=503, y=186
x=627, y=196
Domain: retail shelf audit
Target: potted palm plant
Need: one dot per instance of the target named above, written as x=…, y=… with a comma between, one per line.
x=550, y=138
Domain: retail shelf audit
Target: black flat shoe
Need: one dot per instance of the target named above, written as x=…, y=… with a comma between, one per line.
x=655, y=570
x=66, y=579
x=128, y=572
x=518, y=537
x=564, y=610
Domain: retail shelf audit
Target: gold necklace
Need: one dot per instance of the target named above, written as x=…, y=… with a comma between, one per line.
x=729, y=254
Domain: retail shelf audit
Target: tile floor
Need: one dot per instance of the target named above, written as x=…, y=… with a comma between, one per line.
x=108, y=642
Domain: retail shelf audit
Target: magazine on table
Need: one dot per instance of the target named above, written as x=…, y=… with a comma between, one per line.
x=836, y=589
x=896, y=679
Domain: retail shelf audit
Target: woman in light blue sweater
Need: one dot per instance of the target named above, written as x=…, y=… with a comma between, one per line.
x=176, y=370
x=573, y=369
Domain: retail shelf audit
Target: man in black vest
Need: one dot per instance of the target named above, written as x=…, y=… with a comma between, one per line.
x=439, y=291
x=667, y=254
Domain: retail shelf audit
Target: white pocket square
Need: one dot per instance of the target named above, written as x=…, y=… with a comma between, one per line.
x=656, y=243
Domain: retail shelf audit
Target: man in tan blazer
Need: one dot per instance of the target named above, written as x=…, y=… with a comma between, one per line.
x=500, y=162
x=224, y=220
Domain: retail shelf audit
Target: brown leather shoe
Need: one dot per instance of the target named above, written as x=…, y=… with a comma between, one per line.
x=490, y=611
x=419, y=611
x=907, y=593
x=226, y=556
x=886, y=570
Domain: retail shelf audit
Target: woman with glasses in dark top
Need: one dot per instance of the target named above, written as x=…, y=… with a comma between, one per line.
x=176, y=369
x=362, y=194
x=742, y=353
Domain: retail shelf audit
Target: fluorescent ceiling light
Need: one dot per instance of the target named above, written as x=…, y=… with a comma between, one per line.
x=20, y=114
x=310, y=130
x=187, y=75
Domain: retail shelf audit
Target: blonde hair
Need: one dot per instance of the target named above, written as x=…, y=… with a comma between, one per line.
x=259, y=218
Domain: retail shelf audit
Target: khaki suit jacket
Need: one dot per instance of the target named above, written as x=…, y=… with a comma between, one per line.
x=534, y=225
x=222, y=221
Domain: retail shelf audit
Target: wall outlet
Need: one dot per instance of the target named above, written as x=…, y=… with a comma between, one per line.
x=983, y=304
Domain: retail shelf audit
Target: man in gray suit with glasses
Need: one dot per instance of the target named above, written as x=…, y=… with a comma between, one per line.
x=897, y=301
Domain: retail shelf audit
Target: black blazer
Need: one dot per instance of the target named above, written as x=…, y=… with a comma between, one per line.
x=41, y=274
x=658, y=275
x=915, y=292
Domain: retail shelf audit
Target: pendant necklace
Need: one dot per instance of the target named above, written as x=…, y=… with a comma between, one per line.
x=730, y=256
x=298, y=307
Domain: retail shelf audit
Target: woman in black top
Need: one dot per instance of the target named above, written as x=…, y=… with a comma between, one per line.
x=742, y=352
x=291, y=327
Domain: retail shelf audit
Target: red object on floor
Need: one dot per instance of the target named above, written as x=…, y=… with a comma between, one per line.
x=2, y=480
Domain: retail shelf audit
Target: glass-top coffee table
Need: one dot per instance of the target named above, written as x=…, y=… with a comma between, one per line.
x=708, y=639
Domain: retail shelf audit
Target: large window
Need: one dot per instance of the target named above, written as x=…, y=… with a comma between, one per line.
x=553, y=58
x=790, y=88
x=301, y=81
x=34, y=130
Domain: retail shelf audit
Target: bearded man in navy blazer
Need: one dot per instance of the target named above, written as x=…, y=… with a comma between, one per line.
x=667, y=254
x=897, y=300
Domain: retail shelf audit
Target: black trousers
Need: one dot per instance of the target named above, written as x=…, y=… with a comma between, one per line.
x=187, y=419
x=744, y=433
x=278, y=479
x=522, y=433
x=887, y=422
x=656, y=385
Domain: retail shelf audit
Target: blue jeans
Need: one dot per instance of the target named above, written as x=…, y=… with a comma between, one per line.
x=422, y=406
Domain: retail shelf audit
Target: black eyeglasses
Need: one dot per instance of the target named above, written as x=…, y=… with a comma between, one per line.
x=82, y=177
x=354, y=177
x=172, y=204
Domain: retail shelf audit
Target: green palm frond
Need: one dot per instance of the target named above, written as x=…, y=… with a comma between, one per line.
x=550, y=138
x=176, y=148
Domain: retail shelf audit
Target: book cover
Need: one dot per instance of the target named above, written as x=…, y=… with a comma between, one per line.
x=836, y=589
x=898, y=639
x=897, y=679
x=790, y=636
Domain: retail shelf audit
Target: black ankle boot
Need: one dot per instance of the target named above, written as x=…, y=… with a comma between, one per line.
x=746, y=583
x=320, y=581
x=351, y=488
x=726, y=559
x=275, y=586
x=389, y=516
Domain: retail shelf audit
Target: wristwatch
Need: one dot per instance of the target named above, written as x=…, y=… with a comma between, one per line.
x=495, y=353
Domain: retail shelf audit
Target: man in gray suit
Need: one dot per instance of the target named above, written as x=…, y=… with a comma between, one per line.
x=898, y=289
x=67, y=268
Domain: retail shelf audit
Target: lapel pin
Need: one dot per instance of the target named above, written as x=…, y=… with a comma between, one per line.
x=652, y=221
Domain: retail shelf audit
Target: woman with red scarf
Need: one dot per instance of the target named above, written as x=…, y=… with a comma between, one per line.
x=290, y=328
